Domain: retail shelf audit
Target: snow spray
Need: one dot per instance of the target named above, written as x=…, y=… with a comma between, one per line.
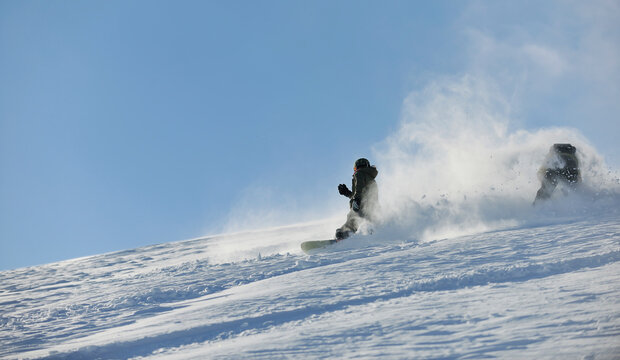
x=458, y=165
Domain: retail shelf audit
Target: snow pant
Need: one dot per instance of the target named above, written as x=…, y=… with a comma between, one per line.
x=551, y=179
x=350, y=226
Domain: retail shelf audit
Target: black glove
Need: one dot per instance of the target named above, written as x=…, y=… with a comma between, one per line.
x=344, y=190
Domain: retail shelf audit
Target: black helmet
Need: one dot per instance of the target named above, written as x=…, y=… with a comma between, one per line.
x=361, y=163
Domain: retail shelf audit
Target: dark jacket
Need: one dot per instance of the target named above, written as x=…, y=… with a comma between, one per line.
x=560, y=164
x=365, y=191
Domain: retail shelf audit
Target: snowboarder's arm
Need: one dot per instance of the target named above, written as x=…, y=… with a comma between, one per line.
x=358, y=187
x=344, y=190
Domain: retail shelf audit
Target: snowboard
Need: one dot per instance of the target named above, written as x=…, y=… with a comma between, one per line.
x=316, y=244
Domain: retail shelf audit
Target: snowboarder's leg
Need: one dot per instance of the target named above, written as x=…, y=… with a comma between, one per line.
x=572, y=178
x=349, y=227
x=548, y=184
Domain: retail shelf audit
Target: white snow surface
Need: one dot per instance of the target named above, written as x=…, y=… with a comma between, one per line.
x=545, y=286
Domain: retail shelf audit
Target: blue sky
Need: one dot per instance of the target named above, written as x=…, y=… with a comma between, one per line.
x=126, y=123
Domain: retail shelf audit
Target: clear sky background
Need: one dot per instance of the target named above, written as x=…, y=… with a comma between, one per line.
x=127, y=123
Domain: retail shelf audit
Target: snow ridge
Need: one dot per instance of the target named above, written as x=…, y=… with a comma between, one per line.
x=234, y=328
x=568, y=272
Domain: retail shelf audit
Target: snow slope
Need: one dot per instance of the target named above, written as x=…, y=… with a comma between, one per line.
x=546, y=288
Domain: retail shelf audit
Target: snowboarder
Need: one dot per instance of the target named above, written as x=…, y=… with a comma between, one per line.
x=561, y=166
x=363, y=198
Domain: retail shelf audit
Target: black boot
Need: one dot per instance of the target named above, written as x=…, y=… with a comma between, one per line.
x=342, y=234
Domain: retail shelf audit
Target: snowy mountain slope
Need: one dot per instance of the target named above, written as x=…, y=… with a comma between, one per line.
x=544, y=291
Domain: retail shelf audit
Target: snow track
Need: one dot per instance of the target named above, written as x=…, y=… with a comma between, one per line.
x=539, y=292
